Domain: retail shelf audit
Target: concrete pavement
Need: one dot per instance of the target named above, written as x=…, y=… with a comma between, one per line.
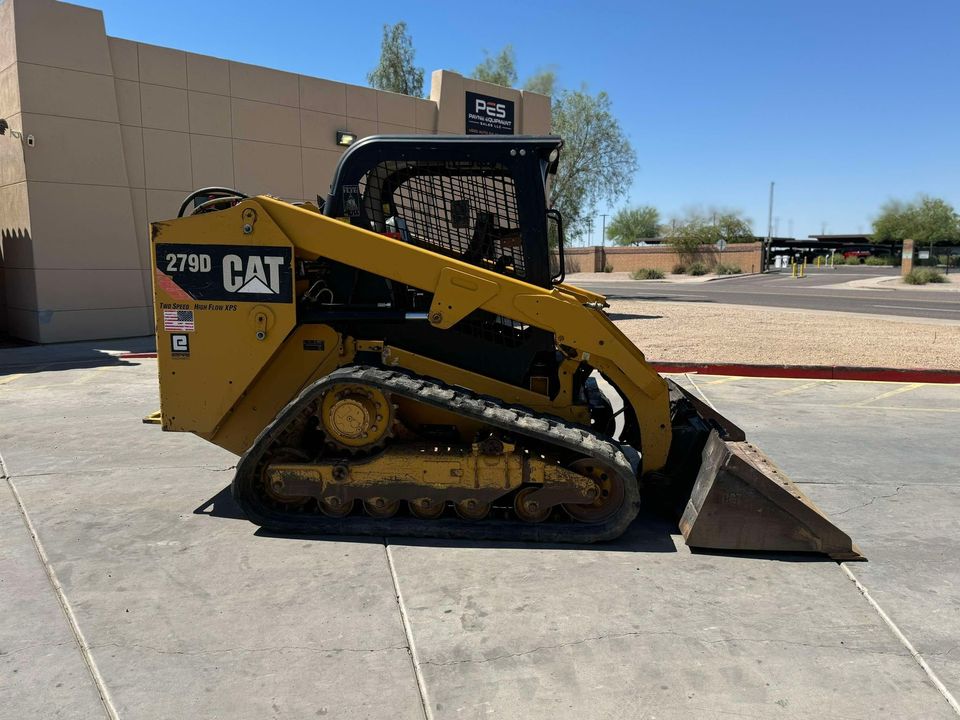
x=161, y=602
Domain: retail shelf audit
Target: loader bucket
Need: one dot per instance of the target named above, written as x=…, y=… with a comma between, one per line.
x=742, y=501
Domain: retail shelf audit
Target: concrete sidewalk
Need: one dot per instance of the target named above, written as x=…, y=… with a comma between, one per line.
x=144, y=595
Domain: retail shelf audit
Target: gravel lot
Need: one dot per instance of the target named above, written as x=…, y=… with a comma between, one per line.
x=697, y=332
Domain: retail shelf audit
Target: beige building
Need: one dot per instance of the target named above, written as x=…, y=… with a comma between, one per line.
x=115, y=133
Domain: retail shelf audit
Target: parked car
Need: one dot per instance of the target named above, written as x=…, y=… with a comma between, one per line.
x=862, y=255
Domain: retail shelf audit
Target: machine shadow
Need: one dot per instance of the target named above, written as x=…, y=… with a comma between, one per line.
x=221, y=505
x=649, y=533
x=31, y=358
x=652, y=532
x=783, y=557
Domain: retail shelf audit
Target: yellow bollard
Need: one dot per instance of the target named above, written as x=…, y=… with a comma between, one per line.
x=793, y=269
x=818, y=262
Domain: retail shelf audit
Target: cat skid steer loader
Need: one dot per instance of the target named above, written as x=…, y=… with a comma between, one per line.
x=406, y=360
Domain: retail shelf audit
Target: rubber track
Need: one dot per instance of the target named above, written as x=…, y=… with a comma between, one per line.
x=518, y=421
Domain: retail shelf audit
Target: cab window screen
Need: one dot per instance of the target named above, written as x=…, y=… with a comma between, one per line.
x=464, y=210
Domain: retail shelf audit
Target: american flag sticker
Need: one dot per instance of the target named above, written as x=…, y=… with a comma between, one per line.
x=178, y=321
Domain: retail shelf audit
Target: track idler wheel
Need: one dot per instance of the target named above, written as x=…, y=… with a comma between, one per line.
x=335, y=507
x=529, y=510
x=609, y=498
x=472, y=509
x=426, y=508
x=381, y=507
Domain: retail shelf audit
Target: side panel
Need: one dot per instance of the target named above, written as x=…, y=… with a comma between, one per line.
x=223, y=304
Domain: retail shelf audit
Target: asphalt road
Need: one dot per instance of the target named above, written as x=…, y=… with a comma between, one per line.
x=810, y=293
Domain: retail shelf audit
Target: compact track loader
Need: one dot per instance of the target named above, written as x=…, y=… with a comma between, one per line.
x=407, y=361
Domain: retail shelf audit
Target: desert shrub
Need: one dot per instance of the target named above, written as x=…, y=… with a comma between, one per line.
x=878, y=261
x=722, y=269
x=608, y=268
x=922, y=276
x=852, y=260
x=679, y=269
x=698, y=269
x=647, y=274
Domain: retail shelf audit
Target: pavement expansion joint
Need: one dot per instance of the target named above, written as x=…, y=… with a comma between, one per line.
x=937, y=682
x=71, y=619
x=408, y=632
x=699, y=391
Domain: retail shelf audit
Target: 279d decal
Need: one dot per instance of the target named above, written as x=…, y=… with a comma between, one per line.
x=238, y=273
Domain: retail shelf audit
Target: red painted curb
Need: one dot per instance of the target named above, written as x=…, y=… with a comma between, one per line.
x=813, y=372
x=800, y=372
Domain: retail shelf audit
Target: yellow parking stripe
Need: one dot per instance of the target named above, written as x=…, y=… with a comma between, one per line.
x=10, y=378
x=889, y=393
x=798, y=388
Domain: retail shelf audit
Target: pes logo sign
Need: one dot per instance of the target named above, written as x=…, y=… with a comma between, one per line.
x=487, y=115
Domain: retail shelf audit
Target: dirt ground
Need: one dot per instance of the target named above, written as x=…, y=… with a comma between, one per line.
x=693, y=332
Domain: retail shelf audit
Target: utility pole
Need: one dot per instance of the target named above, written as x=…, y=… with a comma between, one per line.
x=590, y=231
x=603, y=233
x=766, y=254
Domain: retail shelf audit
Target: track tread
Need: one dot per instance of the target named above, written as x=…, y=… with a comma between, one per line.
x=516, y=420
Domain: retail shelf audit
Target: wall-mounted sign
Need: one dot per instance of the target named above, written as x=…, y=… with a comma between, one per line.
x=487, y=115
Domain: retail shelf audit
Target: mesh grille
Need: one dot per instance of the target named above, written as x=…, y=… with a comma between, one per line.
x=465, y=210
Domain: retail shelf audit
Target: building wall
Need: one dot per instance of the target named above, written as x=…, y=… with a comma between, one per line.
x=124, y=130
x=747, y=256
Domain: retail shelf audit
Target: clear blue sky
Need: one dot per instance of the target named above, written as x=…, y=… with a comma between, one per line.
x=844, y=103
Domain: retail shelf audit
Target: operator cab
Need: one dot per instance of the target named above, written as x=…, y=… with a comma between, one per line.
x=479, y=199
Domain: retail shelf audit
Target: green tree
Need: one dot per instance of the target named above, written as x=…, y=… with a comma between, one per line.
x=395, y=71
x=926, y=220
x=697, y=227
x=543, y=81
x=731, y=226
x=499, y=69
x=597, y=161
x=633, y=224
